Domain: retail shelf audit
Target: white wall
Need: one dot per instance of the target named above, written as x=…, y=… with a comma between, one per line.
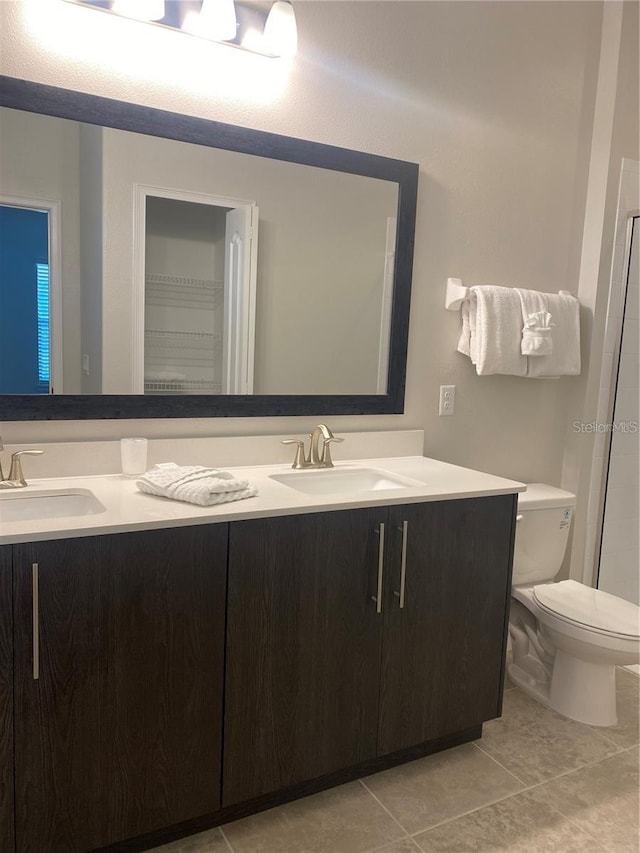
x=493, y=99
x=91, y=255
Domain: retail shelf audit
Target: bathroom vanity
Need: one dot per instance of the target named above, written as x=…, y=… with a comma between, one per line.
x=174, y=667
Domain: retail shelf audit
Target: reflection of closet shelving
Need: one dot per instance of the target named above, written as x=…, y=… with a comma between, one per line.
x=181, y=386
x=184, y=296
x=182, y=339
x=179, y=349
x=183, y=290
x=187, y=349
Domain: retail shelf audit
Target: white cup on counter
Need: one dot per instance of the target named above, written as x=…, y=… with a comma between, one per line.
x=133, y=456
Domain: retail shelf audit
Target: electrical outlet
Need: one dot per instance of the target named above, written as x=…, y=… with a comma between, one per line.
x=447, y=399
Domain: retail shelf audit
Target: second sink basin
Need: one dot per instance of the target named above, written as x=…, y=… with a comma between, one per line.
x=343, y=481
x=61, y=503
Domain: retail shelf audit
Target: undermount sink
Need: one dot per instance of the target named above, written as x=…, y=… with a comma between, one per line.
x=21, y=505
x=343, y=481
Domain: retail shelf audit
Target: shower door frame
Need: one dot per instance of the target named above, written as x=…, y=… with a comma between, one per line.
x=628, y=208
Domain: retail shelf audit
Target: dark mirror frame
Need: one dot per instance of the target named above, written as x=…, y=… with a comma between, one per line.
x=77, y=106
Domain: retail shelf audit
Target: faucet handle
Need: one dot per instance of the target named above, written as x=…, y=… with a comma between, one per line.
x=15, y=472
x=326, y=461
x=300, y=460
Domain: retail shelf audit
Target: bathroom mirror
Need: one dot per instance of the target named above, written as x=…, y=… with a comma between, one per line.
x=185, y=268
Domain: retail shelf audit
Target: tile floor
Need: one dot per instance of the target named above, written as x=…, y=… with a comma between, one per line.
x=535, y=783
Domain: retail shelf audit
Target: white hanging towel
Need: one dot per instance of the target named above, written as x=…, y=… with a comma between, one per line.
x=537, y=323
x=494, y=331
x=565, y=358
x=464, y=342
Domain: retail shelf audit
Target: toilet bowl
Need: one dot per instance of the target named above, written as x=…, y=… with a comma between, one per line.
x=567, y=638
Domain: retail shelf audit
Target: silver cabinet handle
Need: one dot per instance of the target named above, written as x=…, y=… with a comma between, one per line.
x=34, y=618
x=378, y=597
x=403, y=564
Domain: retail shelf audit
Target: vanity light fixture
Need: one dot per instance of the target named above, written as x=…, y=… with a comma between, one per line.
x=255, y=25
x=215, y=20
x=280, y=31
x=141, y=10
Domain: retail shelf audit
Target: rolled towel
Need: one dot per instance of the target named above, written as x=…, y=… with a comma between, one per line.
x=194, y=484
x=537, y=339
x=565, y=359
x=536, y=334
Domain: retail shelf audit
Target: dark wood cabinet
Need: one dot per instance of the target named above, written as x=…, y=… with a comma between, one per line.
x=183, y=677
x=320, y=678
x=303, y=649
x=119, y=695
x=6, y=702
x=443, y=649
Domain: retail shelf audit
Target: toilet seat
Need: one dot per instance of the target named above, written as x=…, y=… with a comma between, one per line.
x=595, y=610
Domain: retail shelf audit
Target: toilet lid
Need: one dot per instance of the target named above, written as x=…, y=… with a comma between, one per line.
x=590, y=607
x=543, y=496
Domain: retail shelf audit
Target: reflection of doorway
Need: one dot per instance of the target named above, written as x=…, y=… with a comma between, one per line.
x=195, y=264
x=30, y=360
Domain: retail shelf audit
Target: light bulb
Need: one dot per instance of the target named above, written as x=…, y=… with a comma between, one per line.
x=216, y=20
x=142, y=10
x=280, y=30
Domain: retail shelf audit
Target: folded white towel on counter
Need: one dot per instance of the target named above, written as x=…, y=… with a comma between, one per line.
x=494, y=331
x=537, y=322
x=194, y=484
x=565, y=358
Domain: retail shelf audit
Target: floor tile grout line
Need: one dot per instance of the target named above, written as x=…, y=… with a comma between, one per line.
x=577, y=826
x=464, y=814
x=382, y=805
x=589, y=764
x=526, y=789
x=617, y=751
x=225, y=839
x=501, y=766
x=517, y=793
x=603, y=735
x=387, y=844
x=413, y=837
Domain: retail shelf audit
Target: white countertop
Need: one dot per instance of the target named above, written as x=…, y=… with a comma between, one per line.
x=127, y=509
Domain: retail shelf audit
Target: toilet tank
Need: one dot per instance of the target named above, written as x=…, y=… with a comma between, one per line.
x=542, y=531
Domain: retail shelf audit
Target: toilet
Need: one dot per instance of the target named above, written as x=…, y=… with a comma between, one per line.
x=567, y=638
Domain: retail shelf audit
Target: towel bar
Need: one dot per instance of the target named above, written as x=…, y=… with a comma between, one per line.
x=456, y=294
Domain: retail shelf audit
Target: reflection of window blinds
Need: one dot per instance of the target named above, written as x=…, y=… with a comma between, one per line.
x=42, y=284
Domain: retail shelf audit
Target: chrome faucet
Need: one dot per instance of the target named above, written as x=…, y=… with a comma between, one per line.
x=316, y=458
x=16, y=479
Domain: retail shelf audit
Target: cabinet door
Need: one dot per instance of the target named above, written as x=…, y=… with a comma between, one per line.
x=303, y=649
x=6, y=702
x=118, y=715
x=443, y=651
